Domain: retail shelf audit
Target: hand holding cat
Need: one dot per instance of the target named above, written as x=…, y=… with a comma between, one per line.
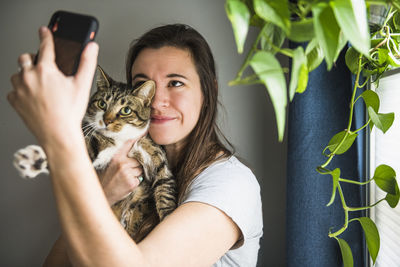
x=51, y=104
x=121, y=176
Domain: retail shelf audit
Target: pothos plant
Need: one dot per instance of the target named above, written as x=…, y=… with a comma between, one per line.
x=324, y=28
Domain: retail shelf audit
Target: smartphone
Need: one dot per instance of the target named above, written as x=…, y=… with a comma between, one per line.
x=71, y=32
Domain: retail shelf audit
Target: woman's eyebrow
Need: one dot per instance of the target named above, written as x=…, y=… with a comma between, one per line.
x=173, y=75
x=139, y=75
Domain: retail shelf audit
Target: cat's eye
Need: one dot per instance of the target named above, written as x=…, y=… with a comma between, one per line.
x=102, y=104
x=126, y=111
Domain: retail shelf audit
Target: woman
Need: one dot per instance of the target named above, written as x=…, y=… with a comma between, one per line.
x=218, y=220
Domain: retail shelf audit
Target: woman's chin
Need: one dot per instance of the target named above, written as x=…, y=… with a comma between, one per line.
x=161, y=140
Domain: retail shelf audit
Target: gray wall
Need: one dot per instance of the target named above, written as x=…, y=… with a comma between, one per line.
x=28, y=222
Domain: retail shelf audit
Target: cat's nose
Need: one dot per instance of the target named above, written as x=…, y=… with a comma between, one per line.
x=107, y=121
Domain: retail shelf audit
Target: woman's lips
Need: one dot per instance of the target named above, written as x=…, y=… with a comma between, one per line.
x=161, y=119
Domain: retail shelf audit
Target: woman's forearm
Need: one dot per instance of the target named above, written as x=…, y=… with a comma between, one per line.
x=93, y=236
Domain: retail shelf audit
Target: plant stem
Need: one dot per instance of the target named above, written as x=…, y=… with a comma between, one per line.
x=346, y=215
x=249, y=54
x=365, y=208
x=364, y=84
x=355, y=182
x=347, y=132
x=365, y=125
x=356, y=85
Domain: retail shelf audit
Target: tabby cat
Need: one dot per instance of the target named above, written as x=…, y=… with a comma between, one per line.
x=116, y=114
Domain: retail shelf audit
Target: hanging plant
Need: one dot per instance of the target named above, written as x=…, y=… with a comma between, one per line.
x=325, y=27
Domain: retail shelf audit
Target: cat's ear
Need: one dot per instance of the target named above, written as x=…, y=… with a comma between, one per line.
x=102, y=80
x=146, y=91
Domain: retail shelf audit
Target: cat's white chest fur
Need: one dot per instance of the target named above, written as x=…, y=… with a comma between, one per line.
x=128, y=132
x=105, y=156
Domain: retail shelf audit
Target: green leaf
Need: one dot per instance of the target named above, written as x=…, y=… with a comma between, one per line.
x=272, y=34
x=383, y=54
x=393, y=200
x=274, y=11
x=256, y=21
x=299, y=76
x=376, y=41
x=351, y=59
x=239, y=16
x=396, y=21
x=268, y=69
x=337, y=138
x=302, y=30
x=371, y=236
x=335, y=182
x=385, y=179
x=393, y=60
x=347, y=255
x=341, y=44
x=327, y=31
x=351, y=16
x=382, y=121
x=371, y=99
x=314, y=55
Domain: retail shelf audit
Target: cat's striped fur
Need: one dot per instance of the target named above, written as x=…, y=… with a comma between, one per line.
x=116, y=114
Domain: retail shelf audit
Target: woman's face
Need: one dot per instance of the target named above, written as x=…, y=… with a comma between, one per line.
x=178, y=99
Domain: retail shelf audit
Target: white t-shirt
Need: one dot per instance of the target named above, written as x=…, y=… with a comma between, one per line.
x=231, y=187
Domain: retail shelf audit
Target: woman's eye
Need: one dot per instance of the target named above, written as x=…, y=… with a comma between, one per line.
x=102, y=104
x=175, y=83
x=126, y=111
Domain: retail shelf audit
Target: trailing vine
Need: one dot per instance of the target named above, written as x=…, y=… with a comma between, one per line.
x=325, y=26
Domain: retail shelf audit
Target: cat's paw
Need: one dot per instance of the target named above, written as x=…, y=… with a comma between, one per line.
x=30, y=161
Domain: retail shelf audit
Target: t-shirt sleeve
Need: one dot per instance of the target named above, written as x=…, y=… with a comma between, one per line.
x=232, y=188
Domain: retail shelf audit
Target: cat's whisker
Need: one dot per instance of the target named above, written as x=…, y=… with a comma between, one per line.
x=88, y=125
x=89, y=132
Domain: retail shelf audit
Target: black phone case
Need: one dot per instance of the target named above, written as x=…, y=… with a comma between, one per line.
x=72, y=28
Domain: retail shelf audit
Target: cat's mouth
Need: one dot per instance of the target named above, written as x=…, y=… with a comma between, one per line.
x=106, y=131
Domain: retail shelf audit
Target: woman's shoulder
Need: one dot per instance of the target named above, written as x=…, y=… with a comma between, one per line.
x=228, y=171
x=226, y=180
x=230, y=186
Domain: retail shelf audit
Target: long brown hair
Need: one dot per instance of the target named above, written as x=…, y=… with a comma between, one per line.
x=203, y=146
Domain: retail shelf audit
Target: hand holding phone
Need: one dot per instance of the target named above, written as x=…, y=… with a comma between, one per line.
x=71, y=33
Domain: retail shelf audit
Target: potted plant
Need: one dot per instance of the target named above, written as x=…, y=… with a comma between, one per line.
x=323, y=29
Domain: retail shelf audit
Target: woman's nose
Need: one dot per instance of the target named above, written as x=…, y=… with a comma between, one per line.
x=161, y=98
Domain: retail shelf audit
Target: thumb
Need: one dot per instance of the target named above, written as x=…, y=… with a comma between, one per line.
x=127, y=147
x=87, y=65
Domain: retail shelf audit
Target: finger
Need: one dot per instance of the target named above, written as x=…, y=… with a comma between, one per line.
x=16, y=80
x=25, y=62
x=136, y=171
x=87, y=65
x=46, y=49
x=33, y=58
x=11, y=97
x=127, y=147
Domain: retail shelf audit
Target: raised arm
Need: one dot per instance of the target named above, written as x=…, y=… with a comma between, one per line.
x=52, y=106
